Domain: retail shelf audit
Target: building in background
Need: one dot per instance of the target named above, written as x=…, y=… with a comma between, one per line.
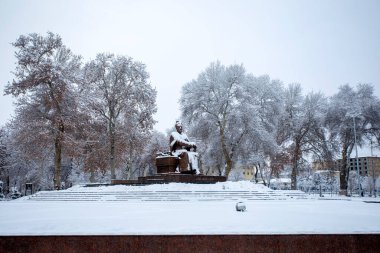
x=249, y=172
x=368, y=165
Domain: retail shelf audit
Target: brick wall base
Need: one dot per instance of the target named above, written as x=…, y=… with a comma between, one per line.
x=192, y=243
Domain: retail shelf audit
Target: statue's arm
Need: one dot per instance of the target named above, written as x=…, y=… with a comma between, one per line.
x=183, y=143
x=171, y=143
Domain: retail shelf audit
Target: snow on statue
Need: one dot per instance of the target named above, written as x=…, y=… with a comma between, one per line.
x=180, y=146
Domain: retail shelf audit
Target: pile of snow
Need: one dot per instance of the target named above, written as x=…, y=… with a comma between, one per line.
x=220, y=186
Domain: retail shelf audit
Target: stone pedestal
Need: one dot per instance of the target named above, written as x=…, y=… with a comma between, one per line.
x=181, y=178
x=166, y=164
x=166, y=173
x=172, y=178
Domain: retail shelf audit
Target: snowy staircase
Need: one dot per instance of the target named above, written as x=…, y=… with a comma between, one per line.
x=220, y=195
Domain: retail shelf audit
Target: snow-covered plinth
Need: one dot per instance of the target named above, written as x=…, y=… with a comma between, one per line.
x=302, y=216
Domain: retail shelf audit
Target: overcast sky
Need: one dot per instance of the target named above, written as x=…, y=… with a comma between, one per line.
x=320, y=44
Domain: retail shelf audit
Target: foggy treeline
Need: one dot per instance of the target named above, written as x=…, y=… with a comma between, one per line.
x=93, y=121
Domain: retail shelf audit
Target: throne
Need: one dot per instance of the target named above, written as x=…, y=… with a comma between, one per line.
x=166, y=163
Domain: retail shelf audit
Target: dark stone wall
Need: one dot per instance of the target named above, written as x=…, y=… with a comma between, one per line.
x=171, y=178
x=192, y=243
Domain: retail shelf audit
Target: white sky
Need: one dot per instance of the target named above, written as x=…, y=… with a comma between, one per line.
x=320, y=44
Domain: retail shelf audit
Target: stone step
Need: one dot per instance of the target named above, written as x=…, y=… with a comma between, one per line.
x=166, y=196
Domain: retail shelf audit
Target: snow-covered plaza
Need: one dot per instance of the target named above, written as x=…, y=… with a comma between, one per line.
x=177, y=209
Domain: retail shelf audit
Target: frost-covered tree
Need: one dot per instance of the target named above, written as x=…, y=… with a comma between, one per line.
x=91, y=147
x=305, y=182
x=4, y=160
x=146, y=163
x=24, y=167
x=347, y=107
x=45, y=74
x=301, y=125
x=368, y=185
x=236, y=175
x=235, y=115
x=377, y=185
x=134, y=145
x=325, y=181
x=263, y=99
x=116, y=91
x=214, y=102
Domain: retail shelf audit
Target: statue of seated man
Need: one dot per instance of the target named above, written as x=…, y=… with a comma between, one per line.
x=180, y=146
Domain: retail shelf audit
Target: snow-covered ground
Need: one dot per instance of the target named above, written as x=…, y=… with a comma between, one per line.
x=304, y=216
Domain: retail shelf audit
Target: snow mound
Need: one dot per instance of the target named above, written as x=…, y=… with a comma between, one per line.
x=220, y=186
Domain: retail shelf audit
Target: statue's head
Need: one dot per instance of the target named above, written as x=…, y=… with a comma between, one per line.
x=178, y=126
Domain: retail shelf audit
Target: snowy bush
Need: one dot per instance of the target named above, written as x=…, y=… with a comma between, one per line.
x=377, y=185
x=280, y=183
x=236, y=175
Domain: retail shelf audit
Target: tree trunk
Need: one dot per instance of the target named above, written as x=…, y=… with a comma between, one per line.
x=343, y=175
x=200, y=164
x=128, y=169
x=293, y=176
x=8, y=188
x=112, y=149
x=261, y=174
x=270, y=176
x=296, y=155
x=58, y=156
x=225, y=151
x=92, y=175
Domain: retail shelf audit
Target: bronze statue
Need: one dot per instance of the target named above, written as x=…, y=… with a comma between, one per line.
x=180, y=146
